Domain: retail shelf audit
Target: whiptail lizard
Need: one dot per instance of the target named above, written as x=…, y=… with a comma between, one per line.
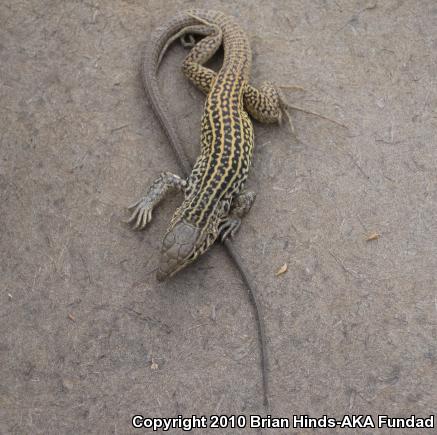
x=214, y=195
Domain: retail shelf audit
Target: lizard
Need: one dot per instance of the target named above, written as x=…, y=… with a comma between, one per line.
x=214, y=197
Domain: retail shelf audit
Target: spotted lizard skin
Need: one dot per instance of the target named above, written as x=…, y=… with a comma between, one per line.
x=214, y=196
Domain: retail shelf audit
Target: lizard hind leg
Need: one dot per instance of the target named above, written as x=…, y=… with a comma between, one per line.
x=193, y=66
x=143, y=208
x=186, y=36
x=267, y=104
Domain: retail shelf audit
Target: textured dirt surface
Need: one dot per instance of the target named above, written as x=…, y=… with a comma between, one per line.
x=89, y=338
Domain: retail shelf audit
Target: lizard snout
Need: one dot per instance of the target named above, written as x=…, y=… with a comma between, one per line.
x=178, y=249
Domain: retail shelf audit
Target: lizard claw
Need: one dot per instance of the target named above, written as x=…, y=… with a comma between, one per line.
x=142, y=213
x=229, y=228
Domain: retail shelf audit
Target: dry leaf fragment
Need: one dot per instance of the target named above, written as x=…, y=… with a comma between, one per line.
x=373, y=236
x=282, y=269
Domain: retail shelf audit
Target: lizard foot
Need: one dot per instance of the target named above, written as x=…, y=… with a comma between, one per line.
x=142, y=209
x=229, y=227
x=285, y=106
x=188, y=40
x=142, y=213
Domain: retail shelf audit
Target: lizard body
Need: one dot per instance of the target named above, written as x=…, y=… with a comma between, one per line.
x=214, y=196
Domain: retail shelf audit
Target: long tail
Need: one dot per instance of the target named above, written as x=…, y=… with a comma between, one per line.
x=155, y=50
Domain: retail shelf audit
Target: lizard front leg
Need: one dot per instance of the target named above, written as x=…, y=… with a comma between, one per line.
x=143, y=208
x=240, y=207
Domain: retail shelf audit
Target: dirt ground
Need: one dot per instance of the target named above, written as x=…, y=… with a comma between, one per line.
x=89, y=337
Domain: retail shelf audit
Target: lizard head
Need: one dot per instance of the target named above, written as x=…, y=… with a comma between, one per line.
x=182, y=244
